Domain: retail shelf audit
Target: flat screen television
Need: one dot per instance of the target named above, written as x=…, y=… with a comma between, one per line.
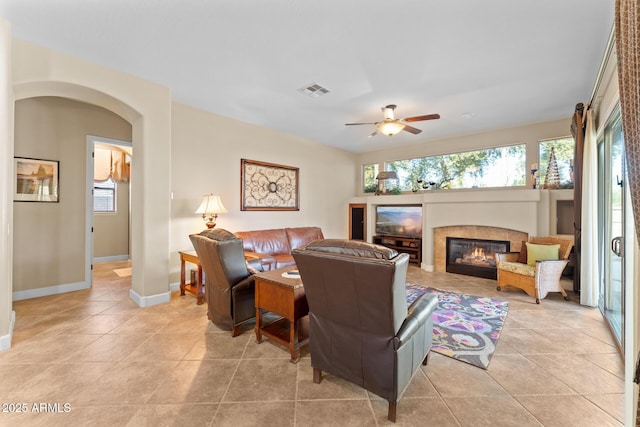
x=399, y=220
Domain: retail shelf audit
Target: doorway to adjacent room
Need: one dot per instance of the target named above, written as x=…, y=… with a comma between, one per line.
x=108, y=200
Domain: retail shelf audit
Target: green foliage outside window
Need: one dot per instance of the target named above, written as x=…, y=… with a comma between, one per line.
x=369, y=175
x=564, y=151
x=494, y=167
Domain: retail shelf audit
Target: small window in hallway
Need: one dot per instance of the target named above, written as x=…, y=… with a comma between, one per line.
x=104, y=196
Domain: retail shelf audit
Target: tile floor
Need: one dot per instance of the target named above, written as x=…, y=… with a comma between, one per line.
x=97, y=359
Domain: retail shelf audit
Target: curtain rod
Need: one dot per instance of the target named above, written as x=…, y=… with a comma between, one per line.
x=603, y=65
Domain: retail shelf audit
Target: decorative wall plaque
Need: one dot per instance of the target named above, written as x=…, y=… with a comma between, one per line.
x=268, y=186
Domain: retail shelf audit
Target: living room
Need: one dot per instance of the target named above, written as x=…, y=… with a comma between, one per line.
x=186, y=139
x=170, y=141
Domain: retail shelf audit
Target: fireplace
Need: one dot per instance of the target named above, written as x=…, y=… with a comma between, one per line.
x=474, y=257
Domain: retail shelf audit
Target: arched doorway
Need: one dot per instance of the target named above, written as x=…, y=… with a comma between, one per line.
x=51, y=239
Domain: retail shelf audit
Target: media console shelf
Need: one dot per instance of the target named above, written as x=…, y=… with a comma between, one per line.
x=407, y=245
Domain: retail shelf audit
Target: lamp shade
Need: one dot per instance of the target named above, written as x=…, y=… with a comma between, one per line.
x=211, y=205
x=387, y=175
x=390, y=128
x=383, y=178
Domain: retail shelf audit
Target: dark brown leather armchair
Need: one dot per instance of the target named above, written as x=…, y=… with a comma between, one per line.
x=229, y=286
x=360, y=328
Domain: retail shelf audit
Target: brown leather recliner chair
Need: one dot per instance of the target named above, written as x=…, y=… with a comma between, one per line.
x=360, y=327
x=229, y=286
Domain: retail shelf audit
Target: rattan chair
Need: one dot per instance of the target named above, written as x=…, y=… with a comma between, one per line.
x=536, y=281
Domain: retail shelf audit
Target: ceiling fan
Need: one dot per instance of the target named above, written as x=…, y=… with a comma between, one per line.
x=391, y=126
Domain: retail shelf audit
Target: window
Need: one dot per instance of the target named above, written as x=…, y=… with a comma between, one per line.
x=563, y=149
x=104, y=196
x=493, y=167
x=369, y=178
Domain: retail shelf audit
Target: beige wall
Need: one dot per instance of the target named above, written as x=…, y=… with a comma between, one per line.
x=49, y=238
x=111, y=230
x=205, y=158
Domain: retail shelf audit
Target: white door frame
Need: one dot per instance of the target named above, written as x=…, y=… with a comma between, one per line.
x=91, y=142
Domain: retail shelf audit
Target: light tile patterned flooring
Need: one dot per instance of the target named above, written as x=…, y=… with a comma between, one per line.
x=116, y=364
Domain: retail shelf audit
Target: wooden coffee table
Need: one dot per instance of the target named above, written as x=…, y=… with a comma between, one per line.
x=283, y=296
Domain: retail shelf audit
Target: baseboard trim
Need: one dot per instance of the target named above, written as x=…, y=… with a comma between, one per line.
x=150, y=300
x=427, y=267
x=174, y=286
x=5, y=340
x=111, y=258
x=50, y=290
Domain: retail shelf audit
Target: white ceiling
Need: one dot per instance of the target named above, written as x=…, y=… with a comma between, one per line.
x=503, y=62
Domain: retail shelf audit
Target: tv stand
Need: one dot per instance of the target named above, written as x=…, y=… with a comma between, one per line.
x=407, y=245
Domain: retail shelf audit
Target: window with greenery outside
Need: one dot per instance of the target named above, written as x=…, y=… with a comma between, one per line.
x=564, y=151
x=369, y=178
x=493, y=167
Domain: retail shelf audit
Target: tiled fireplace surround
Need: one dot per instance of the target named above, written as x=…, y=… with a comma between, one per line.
x=500, y=214
x=472, y=232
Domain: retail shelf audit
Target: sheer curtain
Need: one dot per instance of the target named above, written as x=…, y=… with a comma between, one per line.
x=589, y=266
x=627, y=27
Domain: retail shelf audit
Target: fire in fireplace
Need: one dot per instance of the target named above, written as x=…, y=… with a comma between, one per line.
x=474, y=257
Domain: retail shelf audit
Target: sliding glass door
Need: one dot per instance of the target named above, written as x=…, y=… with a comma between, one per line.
x=611, y=206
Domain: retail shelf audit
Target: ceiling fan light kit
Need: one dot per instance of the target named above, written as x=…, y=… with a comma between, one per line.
x=391, y=126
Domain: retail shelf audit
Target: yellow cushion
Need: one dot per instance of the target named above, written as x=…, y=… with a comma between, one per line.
x=518, y=268
x=541, y=253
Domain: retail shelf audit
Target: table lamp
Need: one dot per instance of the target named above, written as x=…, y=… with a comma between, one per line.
x=210, y=207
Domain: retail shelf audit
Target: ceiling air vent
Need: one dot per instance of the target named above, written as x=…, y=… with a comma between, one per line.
x=313, y=90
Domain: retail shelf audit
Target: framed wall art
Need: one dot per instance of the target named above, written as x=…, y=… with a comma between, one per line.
x=268, y=187
x=36, y=180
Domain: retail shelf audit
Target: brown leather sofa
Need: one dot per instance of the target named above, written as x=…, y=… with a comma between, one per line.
x=360, y=328
x=230, y=288
x=273, y=247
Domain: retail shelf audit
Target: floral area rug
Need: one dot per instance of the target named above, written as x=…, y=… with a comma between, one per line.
x=465, y=327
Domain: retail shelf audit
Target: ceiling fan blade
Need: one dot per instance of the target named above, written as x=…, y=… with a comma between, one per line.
x=355, y=124
x=420, y=118
x=411, y=129
x=374, y=133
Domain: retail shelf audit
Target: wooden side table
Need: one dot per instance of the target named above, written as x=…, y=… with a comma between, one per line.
x=283, y=296
x=196, y=289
